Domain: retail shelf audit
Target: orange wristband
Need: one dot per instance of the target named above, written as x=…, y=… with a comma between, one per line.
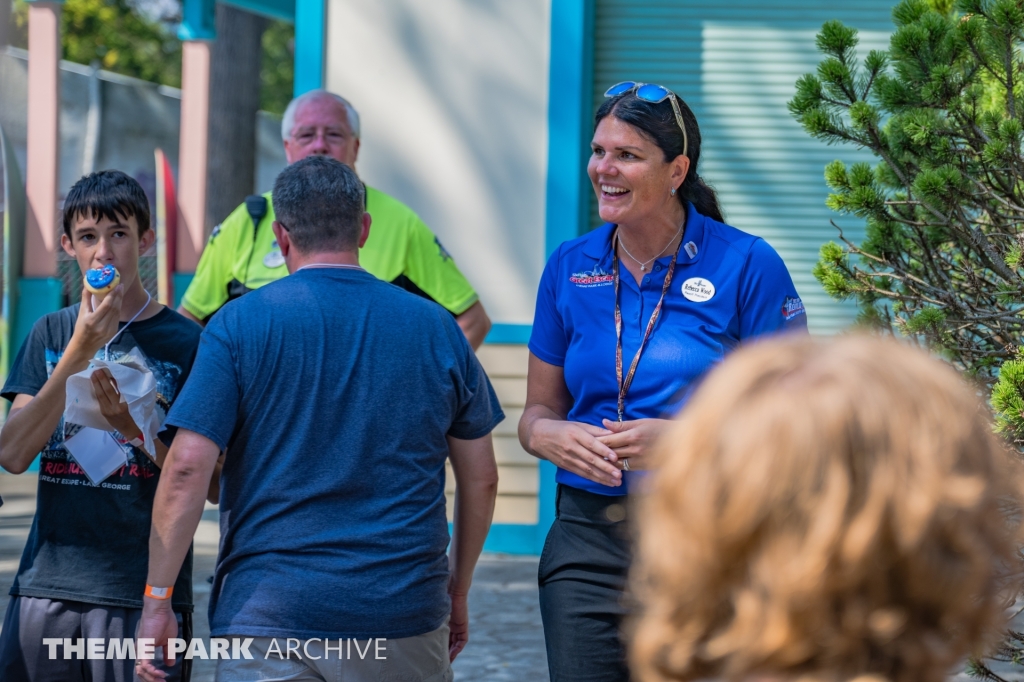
x=158, y=592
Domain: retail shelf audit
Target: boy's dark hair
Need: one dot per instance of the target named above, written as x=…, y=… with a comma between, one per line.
x=109, y=194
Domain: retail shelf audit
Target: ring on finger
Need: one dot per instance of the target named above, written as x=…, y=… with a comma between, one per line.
x=625, y=464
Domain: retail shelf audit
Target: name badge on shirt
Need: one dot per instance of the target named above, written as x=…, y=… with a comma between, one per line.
x=698, y=289
x=274, y=259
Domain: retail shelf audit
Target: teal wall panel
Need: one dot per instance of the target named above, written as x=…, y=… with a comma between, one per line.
x=509, y=538
x=37, y=296
x=735, y=63
x=181, y=282
x=272, y=9
x=198, y=20
x=509, y=333
x=569, y=78
x=310, y=27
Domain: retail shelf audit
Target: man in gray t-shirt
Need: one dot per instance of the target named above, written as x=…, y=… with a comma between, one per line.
x=338, y=398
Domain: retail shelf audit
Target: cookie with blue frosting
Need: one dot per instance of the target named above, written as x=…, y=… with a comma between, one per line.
x=101, y=281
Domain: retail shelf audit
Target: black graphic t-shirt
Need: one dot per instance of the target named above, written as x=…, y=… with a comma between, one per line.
x=91, y=543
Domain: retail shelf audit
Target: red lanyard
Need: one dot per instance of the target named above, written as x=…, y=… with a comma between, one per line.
x=624, y=384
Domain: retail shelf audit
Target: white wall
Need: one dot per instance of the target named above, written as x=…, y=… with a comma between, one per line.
x=452, y=96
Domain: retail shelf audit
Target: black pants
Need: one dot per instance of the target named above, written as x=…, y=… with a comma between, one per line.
x=582, y=577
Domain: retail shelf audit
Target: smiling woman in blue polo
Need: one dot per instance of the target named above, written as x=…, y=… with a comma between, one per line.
x=628, y=318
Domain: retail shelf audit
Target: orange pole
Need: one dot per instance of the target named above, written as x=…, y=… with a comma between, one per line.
x=42, y=170
x=195, y=108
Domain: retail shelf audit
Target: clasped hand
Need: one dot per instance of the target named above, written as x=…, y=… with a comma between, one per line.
x=595, y=453
x=633, y=440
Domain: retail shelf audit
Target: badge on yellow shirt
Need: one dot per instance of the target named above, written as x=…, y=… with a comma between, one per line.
x=274, y=259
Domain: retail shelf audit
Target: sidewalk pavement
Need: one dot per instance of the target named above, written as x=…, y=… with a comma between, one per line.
x=506, y=639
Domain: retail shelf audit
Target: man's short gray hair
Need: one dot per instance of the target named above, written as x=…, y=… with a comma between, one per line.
x=288, y=122
x=320, y=202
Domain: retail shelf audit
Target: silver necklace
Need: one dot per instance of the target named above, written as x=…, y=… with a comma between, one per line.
x=331, y=265
x=106, y=348
x=643, y=265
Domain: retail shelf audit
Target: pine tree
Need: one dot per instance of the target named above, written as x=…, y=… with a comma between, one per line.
x=942, y=260
x=943, y=257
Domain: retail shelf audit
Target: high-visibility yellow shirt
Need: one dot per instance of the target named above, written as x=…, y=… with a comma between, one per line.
x=401, y=249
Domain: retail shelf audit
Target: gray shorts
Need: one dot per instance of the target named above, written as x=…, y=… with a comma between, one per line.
x=423, y=658
x=25, y=658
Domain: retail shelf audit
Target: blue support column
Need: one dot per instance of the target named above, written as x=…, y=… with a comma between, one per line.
x=199, y=17
x=569, y=113
x=198, y=20
x=569, y=85
x=37, y=296
x=310, y=20
x=181, y=282
x=272, y=9
x=509, y=333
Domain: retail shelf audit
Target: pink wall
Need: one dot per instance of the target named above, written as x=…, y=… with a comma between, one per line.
x=43, y=138
x=195, y=102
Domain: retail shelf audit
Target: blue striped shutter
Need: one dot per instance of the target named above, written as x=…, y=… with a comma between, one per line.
x=735, y=62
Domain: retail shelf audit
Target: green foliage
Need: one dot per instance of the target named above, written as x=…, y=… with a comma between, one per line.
x=116, y=36
x=941, y=6
x=277, y=71
x=1008, y=399
x=942, y=260
x=942, y=111
x=833, y=272
x=120, y=38
x=926, y=320
x=1013, y=257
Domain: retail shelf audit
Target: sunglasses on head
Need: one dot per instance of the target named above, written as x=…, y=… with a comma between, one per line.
x=655, y=94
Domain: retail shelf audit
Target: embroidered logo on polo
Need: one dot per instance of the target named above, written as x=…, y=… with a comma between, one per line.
x=791, y=308
x=593, y=278
x=698, y=289
x=445, y=256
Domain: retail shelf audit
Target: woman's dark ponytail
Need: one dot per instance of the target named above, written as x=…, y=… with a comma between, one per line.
x=658, y=122
x=702, y=196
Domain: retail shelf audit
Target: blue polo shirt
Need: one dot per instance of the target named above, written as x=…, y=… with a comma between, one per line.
x=728, y=287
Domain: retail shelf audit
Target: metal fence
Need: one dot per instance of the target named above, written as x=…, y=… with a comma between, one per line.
x=112, y=121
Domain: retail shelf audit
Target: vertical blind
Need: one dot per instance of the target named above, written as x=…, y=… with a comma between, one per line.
x=736, y=62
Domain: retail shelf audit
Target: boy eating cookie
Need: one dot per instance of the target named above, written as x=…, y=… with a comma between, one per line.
x=83, y=569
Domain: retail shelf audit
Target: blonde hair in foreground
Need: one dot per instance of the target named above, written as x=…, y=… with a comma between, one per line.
x=824, y=510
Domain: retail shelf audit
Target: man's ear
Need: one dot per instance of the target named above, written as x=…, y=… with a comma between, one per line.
x=283, y=240
x=288, y=152
x=65, y=242
x=364, y=233
x=146, y=240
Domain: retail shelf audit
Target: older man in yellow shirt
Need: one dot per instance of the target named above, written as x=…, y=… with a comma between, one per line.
x=243, y=255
